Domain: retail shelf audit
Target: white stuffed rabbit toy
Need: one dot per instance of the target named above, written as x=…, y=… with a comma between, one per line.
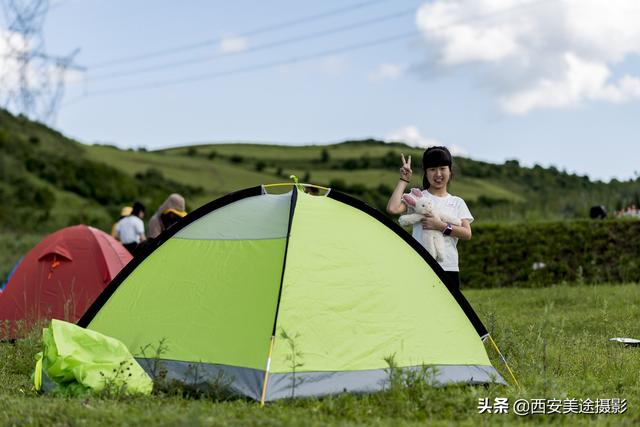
x=422, y=206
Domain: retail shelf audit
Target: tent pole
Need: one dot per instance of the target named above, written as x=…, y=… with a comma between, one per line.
x=266, y=371
x=292, y=207
x=291, y=184
x=504, y=360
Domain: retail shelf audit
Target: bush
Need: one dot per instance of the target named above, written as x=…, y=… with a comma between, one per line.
x=350, y=164
x=338, y=184
x=324, y=156
x=568, y=251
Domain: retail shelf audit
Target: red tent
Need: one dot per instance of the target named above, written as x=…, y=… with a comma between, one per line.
x=61, y=277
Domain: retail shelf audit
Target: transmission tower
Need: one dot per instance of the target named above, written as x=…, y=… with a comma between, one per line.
x=31, y=81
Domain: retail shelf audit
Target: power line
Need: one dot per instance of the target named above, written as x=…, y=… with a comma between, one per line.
x=257, y=48
x=244, y=70
x=273, y=64
x=262, y=30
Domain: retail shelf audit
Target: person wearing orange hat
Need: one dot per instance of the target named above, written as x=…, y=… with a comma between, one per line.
x=167, y=214
x=126, y=211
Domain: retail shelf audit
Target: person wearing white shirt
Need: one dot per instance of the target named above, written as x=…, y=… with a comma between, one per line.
x=130, y=229
x=436, y=163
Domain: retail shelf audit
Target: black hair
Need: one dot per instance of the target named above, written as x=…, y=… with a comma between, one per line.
x=434, y=157
x=137, y=208
x=169, y=218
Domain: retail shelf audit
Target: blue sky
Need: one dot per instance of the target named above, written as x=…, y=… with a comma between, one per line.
x=551, y=82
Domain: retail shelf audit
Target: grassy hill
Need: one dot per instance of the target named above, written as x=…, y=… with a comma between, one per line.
x=219, y=169
x=368, y=170
x=48, y=181
x=57, y=181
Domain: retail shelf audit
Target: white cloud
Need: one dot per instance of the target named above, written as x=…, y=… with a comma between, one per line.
x=583, y=81
x=411, y=135
x=335, y=64
x=233, y=44
x=539, y=54
x=456, y=150
x=11, y=45
x=39, y=72
x=74, y=77
x=387, y=72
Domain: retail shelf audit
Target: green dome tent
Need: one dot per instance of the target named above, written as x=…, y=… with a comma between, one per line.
x=292, y=293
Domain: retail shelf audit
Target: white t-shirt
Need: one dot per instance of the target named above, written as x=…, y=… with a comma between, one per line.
x=130, y=229
x=453, y=206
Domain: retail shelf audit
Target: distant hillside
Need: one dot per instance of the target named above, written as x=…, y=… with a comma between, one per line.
x=369, y=169
x=48, y=181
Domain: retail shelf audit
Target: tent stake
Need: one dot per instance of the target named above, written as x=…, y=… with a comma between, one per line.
x=266, y=372
x=504, y=360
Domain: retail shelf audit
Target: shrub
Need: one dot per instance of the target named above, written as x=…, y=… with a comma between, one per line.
x=350, y=164
x=338, y=184
x=324, y=156
x=570, y=251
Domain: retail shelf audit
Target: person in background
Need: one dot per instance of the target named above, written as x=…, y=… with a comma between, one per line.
x=632, y=211
x=173, y=208
x=126, y=211
x=130, y=229
x=170, y=217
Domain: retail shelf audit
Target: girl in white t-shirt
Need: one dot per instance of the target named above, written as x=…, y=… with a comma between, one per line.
x=436, y=163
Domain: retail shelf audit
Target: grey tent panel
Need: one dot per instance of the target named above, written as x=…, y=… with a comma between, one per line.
x=251, y=218
x=249, y=382
x=205, y=376
x=326, y=383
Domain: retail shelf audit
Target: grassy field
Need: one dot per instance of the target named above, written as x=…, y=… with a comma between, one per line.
x=215, y=177
x=219, y=176
x=301, y=153
x=556, y=340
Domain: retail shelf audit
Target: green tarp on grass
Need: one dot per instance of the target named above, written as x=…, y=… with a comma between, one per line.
x=78, y=360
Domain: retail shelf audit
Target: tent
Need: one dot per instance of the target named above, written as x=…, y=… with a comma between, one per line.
x=275, y=295
x=61, y=277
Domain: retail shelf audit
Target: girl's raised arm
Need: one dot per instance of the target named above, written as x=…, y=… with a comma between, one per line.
x=395, y=205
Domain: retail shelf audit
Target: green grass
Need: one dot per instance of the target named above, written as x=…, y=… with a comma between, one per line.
x=471, y=189
x=556, y=341
x=302, y=153
x=72, y=209
x=219, y=176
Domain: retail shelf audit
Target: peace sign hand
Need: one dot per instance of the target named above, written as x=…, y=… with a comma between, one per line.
x=405, y=170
